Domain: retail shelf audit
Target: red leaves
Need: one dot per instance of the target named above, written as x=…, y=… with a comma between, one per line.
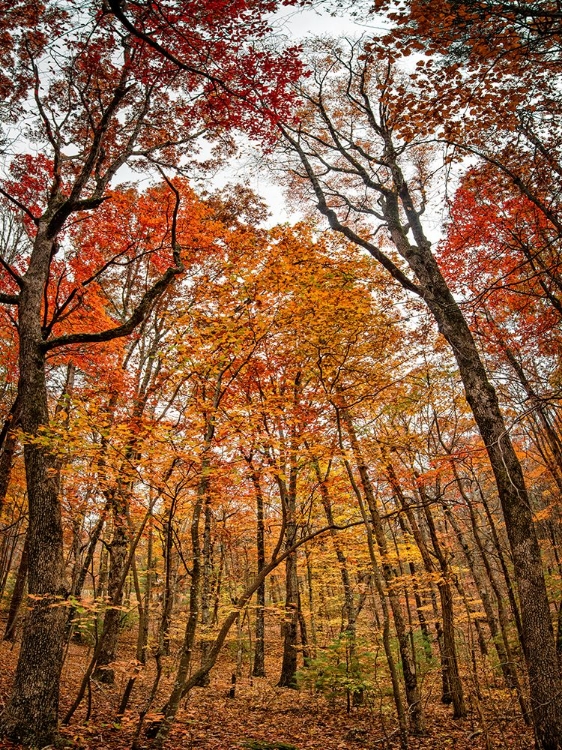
x=500, y=254
x=217, y=43
x=31, y=178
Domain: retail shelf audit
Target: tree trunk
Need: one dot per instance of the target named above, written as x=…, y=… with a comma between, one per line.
x=17, y=595
x=258, y=669
x=206, y=583
x=112, y=619
x=8, y=444
x=31, y=715
x=290, y=624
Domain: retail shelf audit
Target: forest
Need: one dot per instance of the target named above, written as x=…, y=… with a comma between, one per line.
x=280, y=486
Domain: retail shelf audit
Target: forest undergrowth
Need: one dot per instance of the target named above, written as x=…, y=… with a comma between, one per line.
x=261, y=716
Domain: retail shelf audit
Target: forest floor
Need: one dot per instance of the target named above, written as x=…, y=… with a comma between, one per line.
x=261, y=715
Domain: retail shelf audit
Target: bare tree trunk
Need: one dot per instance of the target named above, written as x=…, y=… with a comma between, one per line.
x=31, y=715
x=17, y=595
x=290, y=623
x=169, y=578
x=206, y=583
x=8, y=444
x=112, y=619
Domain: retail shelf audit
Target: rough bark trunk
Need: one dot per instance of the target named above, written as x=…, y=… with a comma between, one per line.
x=8, y=443
x=17, y=594
x=31, y=715
x=206, y=584
x=112, y=620
x=169, y=580
x=290, y=625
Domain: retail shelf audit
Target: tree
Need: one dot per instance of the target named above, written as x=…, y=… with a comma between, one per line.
x=370, y=179
x=92, y=103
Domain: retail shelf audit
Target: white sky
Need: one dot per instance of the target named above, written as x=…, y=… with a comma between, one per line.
x=296, y=25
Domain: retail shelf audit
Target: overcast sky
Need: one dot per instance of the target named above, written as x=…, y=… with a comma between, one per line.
x=296, y=24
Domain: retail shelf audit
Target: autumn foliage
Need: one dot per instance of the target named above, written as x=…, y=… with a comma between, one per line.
x=292, y=486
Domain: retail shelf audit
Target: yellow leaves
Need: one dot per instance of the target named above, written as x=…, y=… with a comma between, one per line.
x=544, y=514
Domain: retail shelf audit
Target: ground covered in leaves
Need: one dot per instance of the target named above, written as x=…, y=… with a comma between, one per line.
x=261, y=716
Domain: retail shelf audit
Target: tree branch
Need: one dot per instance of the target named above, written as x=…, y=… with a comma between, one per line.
x=9, y=299
x=336, y=225
x=137, y=316
x=20, y=205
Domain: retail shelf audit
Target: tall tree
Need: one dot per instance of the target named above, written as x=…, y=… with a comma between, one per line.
x=370, y=180
x=94, y=102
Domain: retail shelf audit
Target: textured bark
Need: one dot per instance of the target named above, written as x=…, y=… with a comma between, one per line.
x=31, y=714
x=112, y=618
x=8, y=443
x=288, y=493
x=206, y=584
x=170, y=575
x=17, y=594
